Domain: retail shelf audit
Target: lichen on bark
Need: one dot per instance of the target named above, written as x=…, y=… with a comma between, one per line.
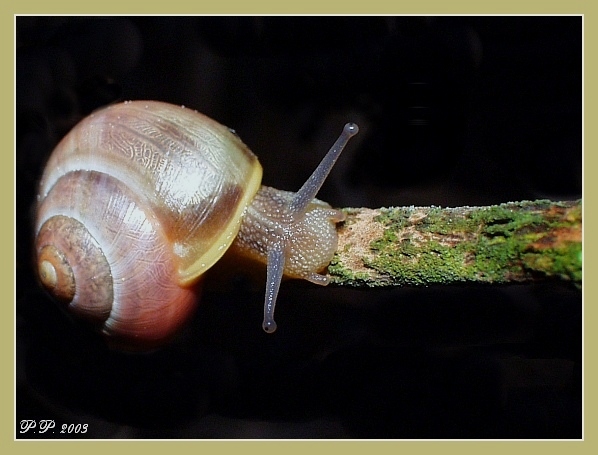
x=506, y=243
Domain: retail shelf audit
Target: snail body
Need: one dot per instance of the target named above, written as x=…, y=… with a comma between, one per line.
x=140, y=198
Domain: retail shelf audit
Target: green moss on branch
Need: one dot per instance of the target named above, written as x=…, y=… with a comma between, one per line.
x=514, y=242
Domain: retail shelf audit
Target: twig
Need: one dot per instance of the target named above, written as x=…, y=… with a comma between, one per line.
x=507, y=243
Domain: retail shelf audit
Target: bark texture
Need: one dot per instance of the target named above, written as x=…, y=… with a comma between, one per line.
x=507, y=243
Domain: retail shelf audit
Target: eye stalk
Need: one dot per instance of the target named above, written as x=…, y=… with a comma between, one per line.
x=312, y=186
x=294, y=233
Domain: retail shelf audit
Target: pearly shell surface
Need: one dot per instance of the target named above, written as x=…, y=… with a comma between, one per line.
x=139, y=199
x=195, y=175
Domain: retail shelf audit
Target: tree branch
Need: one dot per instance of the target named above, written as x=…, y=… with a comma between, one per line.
x=507, y=243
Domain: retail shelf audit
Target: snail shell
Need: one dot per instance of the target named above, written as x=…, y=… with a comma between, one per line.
x=141, y=198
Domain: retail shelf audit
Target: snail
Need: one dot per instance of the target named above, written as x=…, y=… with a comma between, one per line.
x=141, y=198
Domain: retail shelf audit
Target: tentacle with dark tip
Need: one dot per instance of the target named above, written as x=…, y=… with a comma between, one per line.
x=276, y=259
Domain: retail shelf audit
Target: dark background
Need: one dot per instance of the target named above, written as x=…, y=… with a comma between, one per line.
x=452, y=111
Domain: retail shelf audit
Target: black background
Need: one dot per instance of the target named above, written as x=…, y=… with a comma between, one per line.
x=452, y=111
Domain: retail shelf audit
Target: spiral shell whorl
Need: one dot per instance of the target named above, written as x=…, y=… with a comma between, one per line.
x=162, y=189
x=125, y=273
x=71, y=264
